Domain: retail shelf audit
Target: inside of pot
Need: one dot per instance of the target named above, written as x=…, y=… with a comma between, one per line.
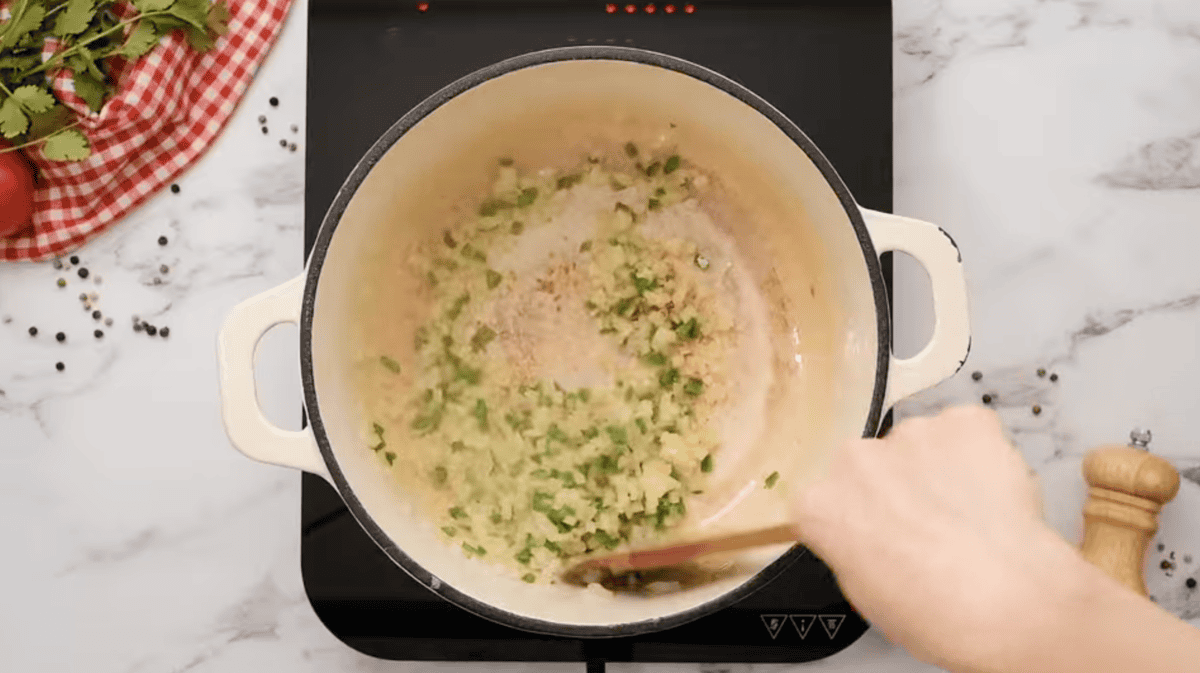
x=792, y=236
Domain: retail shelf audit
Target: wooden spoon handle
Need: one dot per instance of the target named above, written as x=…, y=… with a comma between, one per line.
x=681, y=553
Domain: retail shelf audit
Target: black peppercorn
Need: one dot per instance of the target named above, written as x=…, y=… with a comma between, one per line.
x=1041, y=372
x=99, y=334
x=151, y=330
x=96, y=315
x=59, y=366
x=1161, y=546
x=83, y=273
x=1165, y=565
x=163, y=268
x=32, y=331
x=262, y=119
x=174, y=189
x=264, y=130
x=74, y=259
x=164, y=332
x=1036, y=410
x=975, y=376
x=987, y=399
x=137, y=327
x=162, y=240
x=82, y=296
x=1190, y=583
x=62, y=282
x=274, y=101
x=292, y=147
x=1054, y=377
x=295, y=129
x=283, y=143
x=60, y=336
x=58, y=263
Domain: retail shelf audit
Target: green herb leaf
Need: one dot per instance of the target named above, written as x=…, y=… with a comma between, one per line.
x=524, y=556
x=142, y=40
x=145, y=6
x=693, y=387
x=391, y=457
x=771, y=480
x=457, y=513
x=449, y=530
x=481, y=414
x=20, y=26
x=653, y=204
x=517, y=227
x=482, y=337
x=194, y=12
x=569, y=181
x=631, y=150
x=18, y=63
x=390, y=364
x=13, y=120
x=75, y=18
x=655, y=359
x=90, y=89
x=46, y=123
x=493, y=279
x=492, y=206
x=458, y=305
x=470, y=252
x=440, y=475
x=529, y=578
x=218, y=18
x=672, y=164
x=706, y=465
x=527, y=197
x=618, y=435
x=668, y=377
x=34, y=98
x=689, y=330
x=652, y=169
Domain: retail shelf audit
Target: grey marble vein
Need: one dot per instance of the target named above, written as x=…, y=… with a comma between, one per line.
x=1168, y=163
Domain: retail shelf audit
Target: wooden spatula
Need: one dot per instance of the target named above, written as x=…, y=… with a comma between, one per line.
x=598, y=568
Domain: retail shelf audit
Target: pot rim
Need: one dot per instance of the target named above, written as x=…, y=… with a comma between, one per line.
x=384, y=144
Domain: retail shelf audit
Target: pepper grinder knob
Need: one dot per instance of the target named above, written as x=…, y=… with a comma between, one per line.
x=1128, y=486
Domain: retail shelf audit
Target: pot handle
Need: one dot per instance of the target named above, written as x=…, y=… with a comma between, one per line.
x=247, y=427
x=947, y=349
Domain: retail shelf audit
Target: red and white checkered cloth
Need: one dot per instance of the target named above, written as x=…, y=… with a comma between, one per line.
x=169, y=107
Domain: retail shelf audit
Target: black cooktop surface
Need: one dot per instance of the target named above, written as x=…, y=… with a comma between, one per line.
x=826, y=64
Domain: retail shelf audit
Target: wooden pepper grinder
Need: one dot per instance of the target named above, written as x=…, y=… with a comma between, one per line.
x=1128, y=487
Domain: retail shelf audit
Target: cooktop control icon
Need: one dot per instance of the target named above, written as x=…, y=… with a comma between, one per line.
x=774, y=624
x=803, y=624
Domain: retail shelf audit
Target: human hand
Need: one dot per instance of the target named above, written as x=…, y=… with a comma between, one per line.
x=935, y=535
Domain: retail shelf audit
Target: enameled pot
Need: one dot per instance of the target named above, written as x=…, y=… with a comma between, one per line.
x=814, y=253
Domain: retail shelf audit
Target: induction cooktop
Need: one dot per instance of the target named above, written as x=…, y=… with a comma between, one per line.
x=826, y=64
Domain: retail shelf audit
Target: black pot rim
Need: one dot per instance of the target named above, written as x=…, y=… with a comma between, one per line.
x=381, y=147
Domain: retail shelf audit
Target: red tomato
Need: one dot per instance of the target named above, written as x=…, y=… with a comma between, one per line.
x=16, y=192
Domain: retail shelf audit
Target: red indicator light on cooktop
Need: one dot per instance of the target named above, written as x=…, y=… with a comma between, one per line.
x=669, y=9
x=422, y=6
x=610, y=8
x=650, y=9
x=689, y=8
x=630, y=9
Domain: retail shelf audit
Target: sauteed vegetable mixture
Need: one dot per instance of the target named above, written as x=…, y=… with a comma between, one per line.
x=566, y=380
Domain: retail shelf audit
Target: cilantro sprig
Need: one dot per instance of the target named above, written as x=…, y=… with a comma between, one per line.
x=86, y=34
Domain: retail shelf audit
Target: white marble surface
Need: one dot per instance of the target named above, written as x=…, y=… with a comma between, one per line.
x=1058, y=141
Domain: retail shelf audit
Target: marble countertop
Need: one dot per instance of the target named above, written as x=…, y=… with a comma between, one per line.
x=1058, y=141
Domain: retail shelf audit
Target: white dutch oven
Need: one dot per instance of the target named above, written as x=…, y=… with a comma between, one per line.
x=813, y=251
